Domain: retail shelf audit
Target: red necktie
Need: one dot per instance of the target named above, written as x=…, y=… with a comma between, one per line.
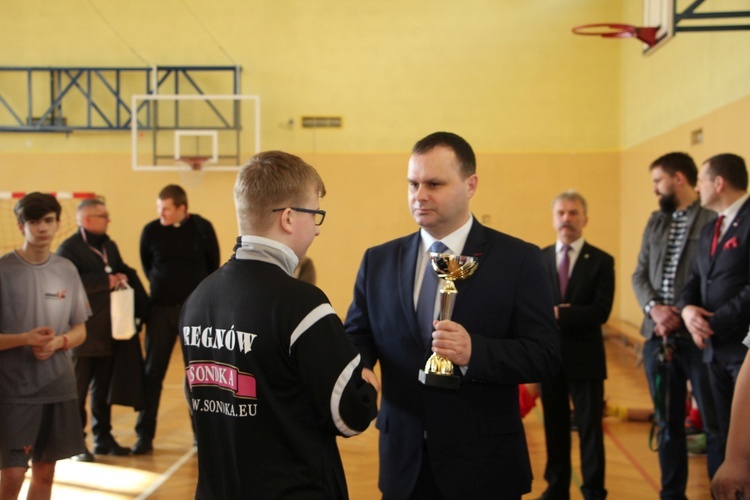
x=717, y=234
x=563, y=270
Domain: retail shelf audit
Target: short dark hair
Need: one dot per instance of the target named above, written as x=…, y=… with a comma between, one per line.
x=730, y=167
x=175, y=193
x=458, y=144
x=36, y=205
x=672, y=163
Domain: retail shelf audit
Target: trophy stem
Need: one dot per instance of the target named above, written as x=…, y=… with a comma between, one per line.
x=447, y=300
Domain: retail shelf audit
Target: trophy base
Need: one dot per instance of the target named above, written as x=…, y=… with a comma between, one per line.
x=439, y=381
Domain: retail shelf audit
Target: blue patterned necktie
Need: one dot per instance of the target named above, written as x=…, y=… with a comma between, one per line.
x=426, y=300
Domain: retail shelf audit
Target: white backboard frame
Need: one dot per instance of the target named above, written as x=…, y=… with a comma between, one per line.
x=138, y=98
x=659, y=14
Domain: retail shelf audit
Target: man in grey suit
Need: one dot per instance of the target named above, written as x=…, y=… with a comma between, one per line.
x=668, y=251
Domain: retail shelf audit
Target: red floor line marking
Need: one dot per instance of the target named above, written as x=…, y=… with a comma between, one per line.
x=650, y=480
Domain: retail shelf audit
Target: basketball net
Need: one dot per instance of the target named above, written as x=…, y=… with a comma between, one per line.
x=193, y=177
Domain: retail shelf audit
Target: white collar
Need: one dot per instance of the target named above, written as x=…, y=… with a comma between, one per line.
x=267, y=250
x=454, y=241
x=575, y=246
x=731, y=211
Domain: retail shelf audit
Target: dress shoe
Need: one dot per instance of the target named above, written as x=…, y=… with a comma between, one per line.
x=142, y=446
x=86, y=456
x=111, y=448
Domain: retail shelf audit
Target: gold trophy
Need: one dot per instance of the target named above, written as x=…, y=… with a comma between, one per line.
x=438, y=372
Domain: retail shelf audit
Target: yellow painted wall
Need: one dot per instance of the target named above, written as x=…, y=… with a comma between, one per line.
x=366, y=201
x=544, y=109
x=509, y=75
x=689, y=77
x=724, y=130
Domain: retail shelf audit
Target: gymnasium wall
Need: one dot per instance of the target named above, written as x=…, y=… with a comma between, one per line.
x=724, y=130
x=697, y=81
x=545, y=110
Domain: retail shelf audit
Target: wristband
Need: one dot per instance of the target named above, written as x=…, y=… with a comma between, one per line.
x=65, y=342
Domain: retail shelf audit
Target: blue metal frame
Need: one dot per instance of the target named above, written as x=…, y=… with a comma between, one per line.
x=689, y=14
x=64, y=81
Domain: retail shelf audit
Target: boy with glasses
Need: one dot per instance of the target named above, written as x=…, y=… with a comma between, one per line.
x=273, y=378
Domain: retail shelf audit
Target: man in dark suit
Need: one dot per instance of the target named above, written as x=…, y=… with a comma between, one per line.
x=583, y=283
x=716, y=300
x=468, y=442
x=665, y=261
x=98, y=261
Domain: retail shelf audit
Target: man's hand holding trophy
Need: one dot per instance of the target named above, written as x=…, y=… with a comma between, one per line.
x=438, y=371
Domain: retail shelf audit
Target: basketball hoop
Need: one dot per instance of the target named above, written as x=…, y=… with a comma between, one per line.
x=194, y=176
x=195, y=162
x=615, y=30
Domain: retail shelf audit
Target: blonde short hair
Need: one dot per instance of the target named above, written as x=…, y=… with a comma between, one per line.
x=270, y=180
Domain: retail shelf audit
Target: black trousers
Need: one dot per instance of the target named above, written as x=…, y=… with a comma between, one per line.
x=161, y=333
x=588, y=402
x=95, y=373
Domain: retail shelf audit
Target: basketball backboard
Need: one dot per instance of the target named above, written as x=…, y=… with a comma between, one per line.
x=659, y=14
x=194, y=131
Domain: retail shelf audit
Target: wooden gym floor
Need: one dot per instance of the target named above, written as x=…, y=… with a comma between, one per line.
x=171, y=471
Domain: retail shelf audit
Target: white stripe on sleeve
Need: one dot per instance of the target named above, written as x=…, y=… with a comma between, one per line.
x=338, y=391
x=312, y=317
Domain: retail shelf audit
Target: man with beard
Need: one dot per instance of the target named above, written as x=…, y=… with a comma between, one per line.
x=668, y=250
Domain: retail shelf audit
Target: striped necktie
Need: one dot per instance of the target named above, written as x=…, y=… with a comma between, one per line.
x=426, y=300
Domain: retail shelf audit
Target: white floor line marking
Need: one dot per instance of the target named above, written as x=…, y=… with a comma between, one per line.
x=164, y=477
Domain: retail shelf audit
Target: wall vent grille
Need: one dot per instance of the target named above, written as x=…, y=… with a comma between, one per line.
x=321, y=122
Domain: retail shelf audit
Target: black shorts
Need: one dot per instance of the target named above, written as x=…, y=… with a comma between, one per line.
x=39, y=432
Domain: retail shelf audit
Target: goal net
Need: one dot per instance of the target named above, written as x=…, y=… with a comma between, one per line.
x=11, y=237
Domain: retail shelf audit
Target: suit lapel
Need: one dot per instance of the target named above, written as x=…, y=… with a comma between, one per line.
x=475, y=246
x=734, y=226
x=579, y=269
x=550, y=255
x=407, y=262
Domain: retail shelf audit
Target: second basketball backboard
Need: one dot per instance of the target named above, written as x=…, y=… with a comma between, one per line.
x=659, y=14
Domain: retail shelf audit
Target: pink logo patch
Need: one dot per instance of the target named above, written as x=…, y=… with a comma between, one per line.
x=220, y=375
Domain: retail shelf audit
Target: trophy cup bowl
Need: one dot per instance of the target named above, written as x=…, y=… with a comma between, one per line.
x=438, y=371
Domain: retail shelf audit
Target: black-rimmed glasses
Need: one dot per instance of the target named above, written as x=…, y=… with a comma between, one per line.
x=320, y=215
